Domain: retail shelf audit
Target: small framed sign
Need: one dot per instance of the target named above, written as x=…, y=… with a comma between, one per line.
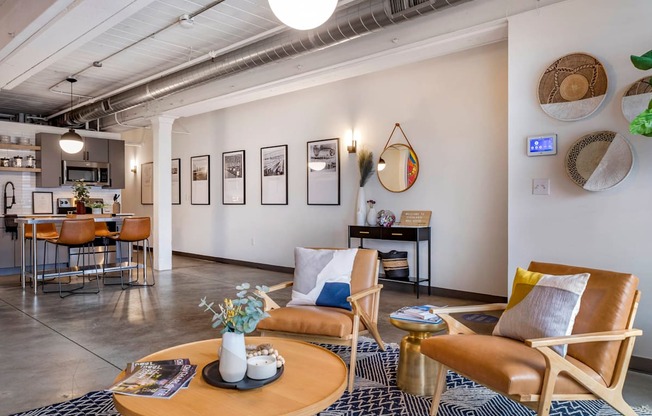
x=415, y=218
x=42, y=203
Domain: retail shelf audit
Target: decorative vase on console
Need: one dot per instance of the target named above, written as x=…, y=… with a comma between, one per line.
x=372, y=215
x=366, y=165
x=360, y=208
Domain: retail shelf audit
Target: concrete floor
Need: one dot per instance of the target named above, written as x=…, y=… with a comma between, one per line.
x=53, y=349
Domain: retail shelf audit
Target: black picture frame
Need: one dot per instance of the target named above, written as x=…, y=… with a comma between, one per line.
x=200, y=180
x=233, y=178
x=42, y=202
x=147, y=183
x=176, y=181
x=274, y=175
x=323, y=169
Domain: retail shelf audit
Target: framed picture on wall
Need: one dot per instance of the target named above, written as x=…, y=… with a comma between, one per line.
x=176, y=181
x=233, y=178
x=274, y=175
x=42, y=203
x=200, y=180
x=324, y=172
x=147, y=183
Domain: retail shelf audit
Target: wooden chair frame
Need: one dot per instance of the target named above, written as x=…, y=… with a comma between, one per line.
x=555, y=363
x=370, y=322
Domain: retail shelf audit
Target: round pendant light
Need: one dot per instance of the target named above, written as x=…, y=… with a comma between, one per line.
x=303, y=14
x=71, y=142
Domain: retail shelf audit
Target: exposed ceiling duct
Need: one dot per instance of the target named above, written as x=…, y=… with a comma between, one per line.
x=350, y=23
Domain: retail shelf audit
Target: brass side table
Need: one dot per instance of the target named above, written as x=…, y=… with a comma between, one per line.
x=416, y=372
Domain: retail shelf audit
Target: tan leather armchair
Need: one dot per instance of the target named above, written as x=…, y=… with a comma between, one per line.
x=332, y=325
x=530, y=372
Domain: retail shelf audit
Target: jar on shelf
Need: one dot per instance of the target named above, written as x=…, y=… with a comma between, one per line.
x=4, y=162
x=18, y=161
x=30, y=162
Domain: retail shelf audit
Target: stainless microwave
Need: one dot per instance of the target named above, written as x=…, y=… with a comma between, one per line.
x=92, y=173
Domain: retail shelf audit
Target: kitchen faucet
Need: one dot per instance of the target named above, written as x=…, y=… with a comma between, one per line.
x=7, y=198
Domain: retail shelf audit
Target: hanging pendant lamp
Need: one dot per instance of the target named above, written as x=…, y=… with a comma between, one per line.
x=71, y=142
x=303, y=14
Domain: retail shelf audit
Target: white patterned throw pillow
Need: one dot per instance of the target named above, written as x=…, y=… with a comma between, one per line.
x=322, y=277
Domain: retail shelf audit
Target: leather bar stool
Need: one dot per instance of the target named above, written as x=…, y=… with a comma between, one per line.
x=134, y=230
x=44, y=231
x=76, y=234
x=102, y=231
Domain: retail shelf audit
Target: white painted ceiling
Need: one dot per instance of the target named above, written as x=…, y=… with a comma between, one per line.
x=42, y=42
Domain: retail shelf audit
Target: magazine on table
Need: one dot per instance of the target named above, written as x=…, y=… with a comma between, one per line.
x=131, y=367
x=151, y=379
x=419, y=313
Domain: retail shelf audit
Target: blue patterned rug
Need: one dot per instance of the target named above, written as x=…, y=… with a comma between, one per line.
x=376, y=393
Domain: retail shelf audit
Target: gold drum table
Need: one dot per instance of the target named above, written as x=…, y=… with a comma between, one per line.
x=416, y=372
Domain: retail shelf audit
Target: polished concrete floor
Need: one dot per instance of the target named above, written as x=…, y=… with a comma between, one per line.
x=54, y=349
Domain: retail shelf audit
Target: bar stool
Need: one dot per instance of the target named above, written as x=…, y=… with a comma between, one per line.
x=75, y=234
x=44, y=231
x=134, y=229
x=102, y=231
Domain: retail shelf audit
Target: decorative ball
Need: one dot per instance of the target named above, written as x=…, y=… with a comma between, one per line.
x=386, y=218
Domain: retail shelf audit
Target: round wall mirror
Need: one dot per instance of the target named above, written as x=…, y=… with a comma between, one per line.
x=401, y=168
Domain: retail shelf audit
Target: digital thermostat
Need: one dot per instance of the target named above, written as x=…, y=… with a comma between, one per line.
x=543, y=145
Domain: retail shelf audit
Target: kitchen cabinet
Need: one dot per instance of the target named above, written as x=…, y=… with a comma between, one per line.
x=117, y=164
x=94, y=150
x=9, y=249
x=48, y=157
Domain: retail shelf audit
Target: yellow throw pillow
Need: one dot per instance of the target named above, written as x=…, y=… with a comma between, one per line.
x=542, y=305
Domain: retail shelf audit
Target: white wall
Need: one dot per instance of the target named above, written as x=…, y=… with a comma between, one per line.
x=609, y=229
x=453, y=110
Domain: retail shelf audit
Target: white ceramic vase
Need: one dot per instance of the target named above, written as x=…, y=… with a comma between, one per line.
x=233, y=357
x=372, y=217
x=361, y=208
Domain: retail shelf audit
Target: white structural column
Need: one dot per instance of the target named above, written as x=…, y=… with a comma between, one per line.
x=162, y=221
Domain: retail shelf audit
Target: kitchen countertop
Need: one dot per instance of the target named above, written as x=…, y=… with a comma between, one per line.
x=122, y=214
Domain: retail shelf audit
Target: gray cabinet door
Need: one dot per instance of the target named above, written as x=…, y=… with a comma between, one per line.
x=117, y=163
x=94, y=150
x=49, y=160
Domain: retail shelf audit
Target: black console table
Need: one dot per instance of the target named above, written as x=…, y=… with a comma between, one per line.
x=413, y=234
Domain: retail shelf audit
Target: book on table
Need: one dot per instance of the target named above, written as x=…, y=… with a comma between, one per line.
x=419, y=313
x=160, y=379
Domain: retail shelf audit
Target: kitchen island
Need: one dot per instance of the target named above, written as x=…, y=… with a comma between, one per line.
x=33, y=220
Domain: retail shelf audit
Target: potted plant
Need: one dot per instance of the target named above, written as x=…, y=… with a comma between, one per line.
x=97, y=207
x=81, y=193
x=238, y=317
x=642, y=124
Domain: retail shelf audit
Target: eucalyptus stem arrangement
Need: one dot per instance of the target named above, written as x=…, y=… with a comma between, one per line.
x=642, y=124
x=366, y=165
x=240, y=315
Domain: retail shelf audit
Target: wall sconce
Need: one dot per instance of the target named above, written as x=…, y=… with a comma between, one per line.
x=352, y=148
x=134, y=167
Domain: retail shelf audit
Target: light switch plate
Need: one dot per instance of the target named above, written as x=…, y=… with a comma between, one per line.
x=540, y=186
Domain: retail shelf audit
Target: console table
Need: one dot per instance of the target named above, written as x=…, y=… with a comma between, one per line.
x=413, y=234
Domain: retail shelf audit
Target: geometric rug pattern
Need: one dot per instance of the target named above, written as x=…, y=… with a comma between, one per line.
x=376, y=393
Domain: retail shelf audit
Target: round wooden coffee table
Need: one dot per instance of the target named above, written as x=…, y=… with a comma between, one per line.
x=313, y=379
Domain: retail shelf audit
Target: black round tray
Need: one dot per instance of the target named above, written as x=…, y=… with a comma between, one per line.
x=211, y=375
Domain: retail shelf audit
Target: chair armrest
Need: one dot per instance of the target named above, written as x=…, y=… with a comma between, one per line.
x=364, y=293
x=618, y=335
x=469, y=308
x=268, y=303
x=280, y=286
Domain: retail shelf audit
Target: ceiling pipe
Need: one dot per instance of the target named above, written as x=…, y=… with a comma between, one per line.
x=352, y=22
